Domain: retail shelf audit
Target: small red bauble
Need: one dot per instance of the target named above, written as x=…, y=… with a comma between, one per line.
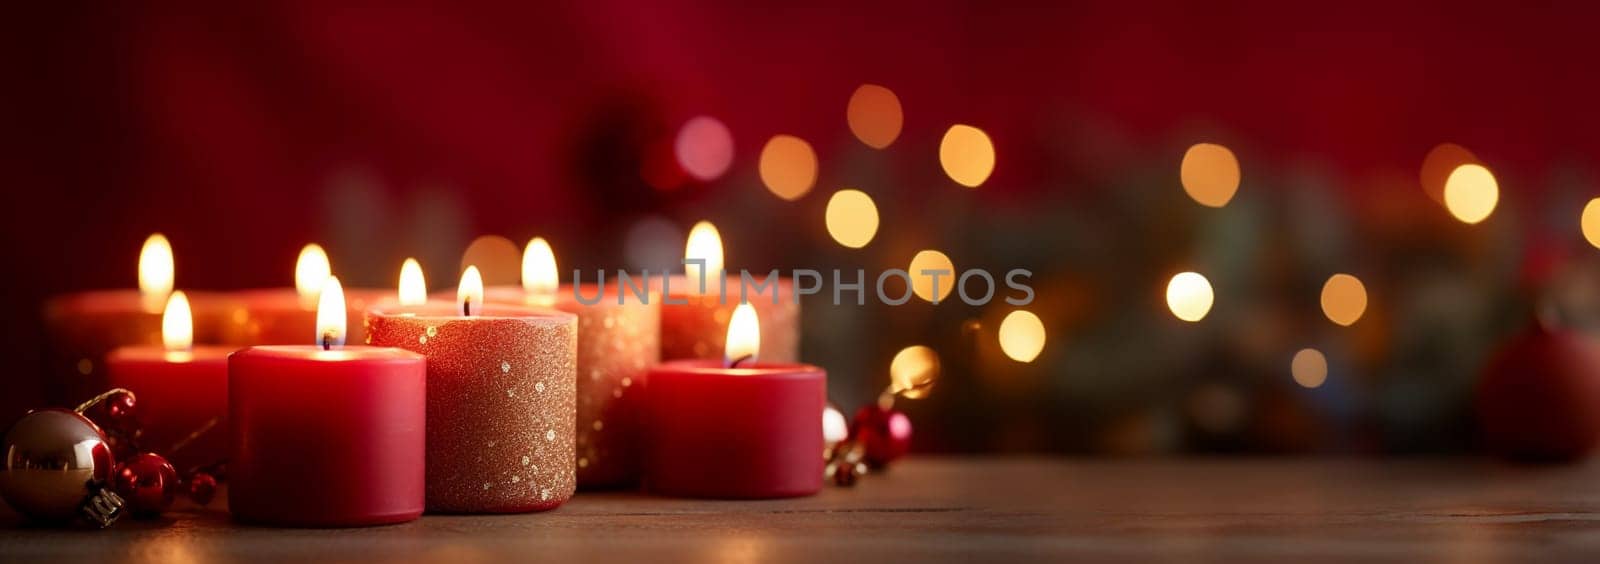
x=147, y=482
x=883, y=433
x=202, y=487
x=1539, y=397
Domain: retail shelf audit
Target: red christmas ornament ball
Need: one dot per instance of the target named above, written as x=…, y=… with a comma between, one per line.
x=202, y=487
x=1539, y=396
x=147, y=482
x=884, y=434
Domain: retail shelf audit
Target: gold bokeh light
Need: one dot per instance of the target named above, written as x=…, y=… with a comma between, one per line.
x=852, y=218
x=1309, y=368
x=1189, y=296
x=913, y=372
x=1590, y=222
x=1210, y=174
x=788, y=167
x=1442, y=160
x=923, y=284
x=1471, y=193
x=1344, y=299
x=1022, y=335
x=967, y=155
x=874, y=115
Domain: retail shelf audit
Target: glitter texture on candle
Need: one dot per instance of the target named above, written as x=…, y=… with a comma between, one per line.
x=501, y=403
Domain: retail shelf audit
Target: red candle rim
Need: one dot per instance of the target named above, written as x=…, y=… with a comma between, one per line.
x=152, y=353
x=256, y=297
x=438, y=310
x=713, y=367
x=348, y=353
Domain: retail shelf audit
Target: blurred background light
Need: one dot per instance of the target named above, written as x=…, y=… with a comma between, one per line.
x=1210, y=174
x=923, y=284
x=874, y=115
x=1309, y=368
x=704, y=148
x=967, y=155
x=914, y=371
x=1470, y=193
x=1590, y=222
x=1022, y=335
x=1344, y=299
x=788, y=166
x=498, y=259
x=1189, y=296
x=852, y=218
x=1442, y=160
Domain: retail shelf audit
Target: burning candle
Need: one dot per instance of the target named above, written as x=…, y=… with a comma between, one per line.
x=182, y=390
x=83, y=327
x=326, y=435
x=617, y=344
x=735, y=427
x=501, y=398
x=694, y=316
x=279, y=316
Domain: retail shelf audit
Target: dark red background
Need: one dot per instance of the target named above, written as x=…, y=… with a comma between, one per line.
x=222, y=124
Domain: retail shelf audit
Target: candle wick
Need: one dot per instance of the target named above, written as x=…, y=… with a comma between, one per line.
x=327, y=340
x=466, y=308
x=734, y=363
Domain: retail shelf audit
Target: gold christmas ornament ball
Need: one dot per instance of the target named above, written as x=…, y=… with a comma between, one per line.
x=55, y=469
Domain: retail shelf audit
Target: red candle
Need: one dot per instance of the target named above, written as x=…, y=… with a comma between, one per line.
x=182, y=390
x=617, y=345
x=694, y=320
x=283, y=316
x=84, y=327
x=500, y=399
x=735, y=428
x=326, y=435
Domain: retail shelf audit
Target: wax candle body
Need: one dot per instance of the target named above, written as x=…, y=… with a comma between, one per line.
x=696, y=328
x=734, y=432
x=326, y=438
x=85, y=326
x=278, y=316
x=501, y=395
x=617, y=345
x=180, y=394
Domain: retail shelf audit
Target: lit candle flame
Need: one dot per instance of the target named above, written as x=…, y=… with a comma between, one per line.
x=469, y=295
x=540, y=280
x=706, y=244
x=177, y=323
x=155, y=272
x=744, y=337
x=311, y=271
x=413, y=287
x=330, y=314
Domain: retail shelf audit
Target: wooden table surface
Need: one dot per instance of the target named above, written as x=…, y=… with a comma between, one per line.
x=977, y=509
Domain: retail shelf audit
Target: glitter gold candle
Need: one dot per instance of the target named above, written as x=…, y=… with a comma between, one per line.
x=618, y=342
x=694, y=320
x=501, y=399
